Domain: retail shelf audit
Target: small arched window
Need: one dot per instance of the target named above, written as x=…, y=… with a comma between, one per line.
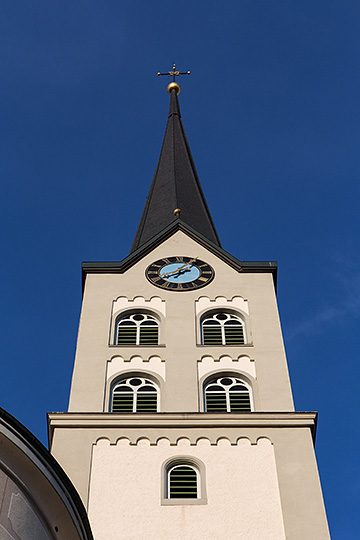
x=222, y=329
x=182, y=482
x=227, y=394
x=135, y=394
x=137, y=329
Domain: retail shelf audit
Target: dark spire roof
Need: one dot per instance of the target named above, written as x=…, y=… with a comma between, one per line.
x=175, y=186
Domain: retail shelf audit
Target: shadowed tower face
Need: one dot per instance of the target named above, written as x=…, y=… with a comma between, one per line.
x=181, y=421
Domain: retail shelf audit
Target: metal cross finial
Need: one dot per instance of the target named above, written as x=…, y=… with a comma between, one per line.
x=174, y=73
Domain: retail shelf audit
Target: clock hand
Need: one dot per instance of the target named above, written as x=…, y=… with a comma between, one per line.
x=185, y=265
x=184, y=268
x=168, y=274
x=177, y=272
x=181, y=272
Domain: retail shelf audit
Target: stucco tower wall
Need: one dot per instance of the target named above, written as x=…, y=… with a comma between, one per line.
x=180, y=347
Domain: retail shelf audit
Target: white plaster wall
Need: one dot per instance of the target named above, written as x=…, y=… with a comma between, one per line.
x=241, y=484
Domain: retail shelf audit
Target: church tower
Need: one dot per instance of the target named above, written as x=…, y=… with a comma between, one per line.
x=181, y=421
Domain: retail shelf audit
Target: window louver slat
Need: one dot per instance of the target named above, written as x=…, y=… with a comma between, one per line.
x=183, y=483
x=216, y=402
x=148, y=335
x=126, y=336
x=234, y=335
x=122, y=403
x=240, y=402
x=146, y=403
x=212, y=335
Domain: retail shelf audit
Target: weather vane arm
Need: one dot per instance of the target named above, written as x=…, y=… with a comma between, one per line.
x=174, y=73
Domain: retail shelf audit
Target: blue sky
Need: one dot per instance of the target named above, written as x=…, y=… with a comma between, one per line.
x=272, y=114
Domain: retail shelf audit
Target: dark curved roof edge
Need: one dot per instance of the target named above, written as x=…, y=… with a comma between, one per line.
x=50, y=463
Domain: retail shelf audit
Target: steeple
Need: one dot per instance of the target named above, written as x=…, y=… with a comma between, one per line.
x=175, y=193
x=181, y=412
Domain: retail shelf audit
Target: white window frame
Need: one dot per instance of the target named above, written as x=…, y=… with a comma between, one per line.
x=189, y=461
x=221, y=323
x=124, y=381
x=130, y=316
x=238, y=380
x=198, y=486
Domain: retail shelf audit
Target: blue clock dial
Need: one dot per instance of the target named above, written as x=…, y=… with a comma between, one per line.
x=180, y=273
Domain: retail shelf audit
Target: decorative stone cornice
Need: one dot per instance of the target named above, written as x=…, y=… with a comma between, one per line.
x=176, y=425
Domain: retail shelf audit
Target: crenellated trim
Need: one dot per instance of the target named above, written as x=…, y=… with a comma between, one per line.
x=242, y=363
x=118, y=363
x=124, y=303
x=236, y=302
x=183, y=442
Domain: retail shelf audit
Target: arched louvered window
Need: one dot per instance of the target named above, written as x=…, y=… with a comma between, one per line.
x=222, y=329
x=183, y=482
x=137, y=329
x=227, y=394
x=135, y=394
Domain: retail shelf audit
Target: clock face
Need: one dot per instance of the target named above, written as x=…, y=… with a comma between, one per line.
x=180, y=273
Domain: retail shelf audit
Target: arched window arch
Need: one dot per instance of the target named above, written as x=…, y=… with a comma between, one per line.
x=222, y=328
x=227, y=394
x=135, y=395
x=183, y=482
x=137, y=329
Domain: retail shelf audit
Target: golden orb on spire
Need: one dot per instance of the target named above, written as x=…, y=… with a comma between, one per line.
x=174, y=86
x=177, y=211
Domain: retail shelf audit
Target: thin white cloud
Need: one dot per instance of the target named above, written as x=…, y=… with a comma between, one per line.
x=348, y=280
x=315, y=321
